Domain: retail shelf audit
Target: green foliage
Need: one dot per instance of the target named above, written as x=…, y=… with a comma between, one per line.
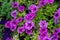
x=44, y=13
x=6, y=10
x=1, y=30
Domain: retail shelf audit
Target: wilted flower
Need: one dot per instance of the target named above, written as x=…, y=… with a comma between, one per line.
x=29, y=17
x=43, y=23
x=33, y=8
x=14, y=13
x=13, y=27
x=21, y=8
x=7, y=24
x=29, y=25
x=29, y=32
x=15, y=4
x=20, y=30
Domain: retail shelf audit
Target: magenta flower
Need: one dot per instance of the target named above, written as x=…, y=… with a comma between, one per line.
x=50, y=1
x=14, y=22
x=33, y=8
x=56, y=15
x=42, y=35
x=41, y=3
x=43, y=23
x=21, y=8
x=29, y=32
x=55, y=31
x=15, y=4
x=43, y=30
x=29, y=25
x=13, y=27
x=58, y=10
x=14, y=13
x=20, y=30
x=46, y=38
x=20, y=19
x=7, y=24
x=29, y=17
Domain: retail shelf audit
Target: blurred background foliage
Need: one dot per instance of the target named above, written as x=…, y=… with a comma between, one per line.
x=44, y=13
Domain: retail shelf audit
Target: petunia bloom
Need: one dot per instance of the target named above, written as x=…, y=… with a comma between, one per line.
x=14, y=22
x=56, y=21
x=43, y=23
x=8, y=38
x=20, y=19
x=50, y=1
x=29, y=32
x=41, y=4
x=14, y=13
x=43, y=30
x=7, y=24
x=33, y=8
x=20, y=30
x=29, y=25
x=21, y=8
x=46, y=38
x=29, y=17
x=15, y=4
x=56, y=15
x=13, y=27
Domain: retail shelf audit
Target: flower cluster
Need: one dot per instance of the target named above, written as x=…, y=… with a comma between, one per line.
x=18, y=7
x=44, y=2
x=27, y=20
x=56, y=34
x=28, y=24
x=43, y=31
x=56, y=16
x=12, y=24
x=33, y=8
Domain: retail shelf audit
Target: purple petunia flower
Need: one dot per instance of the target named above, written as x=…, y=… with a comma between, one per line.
x=29, y=17
x=21, y=8
x=43, y=30
x=15, y=4
x=42, y=35
x=58, y=10
x=33, y=8
x=43, y=23
x=41, y=3
x=56, y=21
x=55, y=31
x=8, y=38
x=7, y=24
x=46, y=38
x=56, y=15
x=29, y=32
x=14, y=22
x=20, y=30
x=13, y=27
x=50, y=1
x=20, y=19
x=14, y=13
x=29, y=25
